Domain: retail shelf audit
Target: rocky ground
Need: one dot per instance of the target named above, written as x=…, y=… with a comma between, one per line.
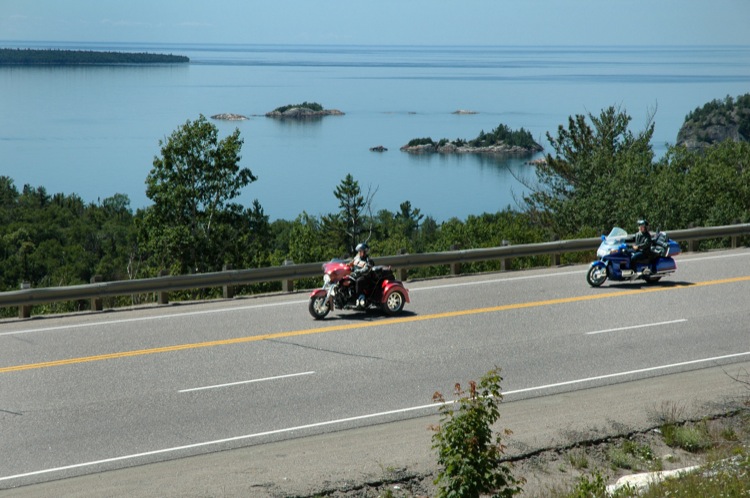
x=552, y=472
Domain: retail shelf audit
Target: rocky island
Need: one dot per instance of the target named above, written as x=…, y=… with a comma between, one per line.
x=716, y=121
x=305, y=110
x=500, y=141
x=228, y=116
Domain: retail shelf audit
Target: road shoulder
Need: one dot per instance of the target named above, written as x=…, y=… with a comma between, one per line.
x=349, y=460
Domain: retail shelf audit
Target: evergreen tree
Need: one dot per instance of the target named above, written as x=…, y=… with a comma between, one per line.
x=352, y=214
x=596, y=177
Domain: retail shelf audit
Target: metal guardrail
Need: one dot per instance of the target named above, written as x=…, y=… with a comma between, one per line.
x=287, y=274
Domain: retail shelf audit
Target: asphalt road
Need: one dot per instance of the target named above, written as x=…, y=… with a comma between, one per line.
x=118, y=390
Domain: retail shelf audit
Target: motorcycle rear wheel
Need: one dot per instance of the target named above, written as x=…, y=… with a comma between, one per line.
x=394, y=303
x=596, y=276
x=319, y=307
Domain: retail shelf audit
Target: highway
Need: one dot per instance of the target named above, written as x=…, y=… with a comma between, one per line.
x=90, y=392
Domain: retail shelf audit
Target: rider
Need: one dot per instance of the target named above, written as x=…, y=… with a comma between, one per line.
x=361, y=266
x=641, y=245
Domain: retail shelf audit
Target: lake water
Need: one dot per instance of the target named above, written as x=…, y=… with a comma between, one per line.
x=94, y=131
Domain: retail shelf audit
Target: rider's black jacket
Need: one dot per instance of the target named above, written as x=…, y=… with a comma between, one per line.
x=643, y=241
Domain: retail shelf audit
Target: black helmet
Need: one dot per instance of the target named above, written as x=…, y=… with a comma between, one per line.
x=362, y=246
x=642, y=222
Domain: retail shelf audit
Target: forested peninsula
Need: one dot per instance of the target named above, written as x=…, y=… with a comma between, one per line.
x=49, y=57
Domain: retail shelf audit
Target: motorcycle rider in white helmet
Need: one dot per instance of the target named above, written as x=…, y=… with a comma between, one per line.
x=361, y=267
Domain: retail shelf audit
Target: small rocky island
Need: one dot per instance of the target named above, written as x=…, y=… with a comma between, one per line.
x=500, y=141
x=305, y=110
x=228, y=116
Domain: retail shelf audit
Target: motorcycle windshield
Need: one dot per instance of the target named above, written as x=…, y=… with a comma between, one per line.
x=610, y=244
x=617, y=235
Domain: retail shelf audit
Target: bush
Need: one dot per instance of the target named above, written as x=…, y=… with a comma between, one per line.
x=471, y=462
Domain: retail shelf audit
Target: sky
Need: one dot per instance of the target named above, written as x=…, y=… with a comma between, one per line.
x=380, y=22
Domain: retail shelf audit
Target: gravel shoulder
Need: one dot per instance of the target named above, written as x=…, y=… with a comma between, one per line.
x=397, y=457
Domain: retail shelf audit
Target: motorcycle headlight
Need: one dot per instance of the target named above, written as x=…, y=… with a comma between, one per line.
x=326, y=279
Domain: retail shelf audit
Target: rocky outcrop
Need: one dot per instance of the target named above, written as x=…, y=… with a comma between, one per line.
x=378, y=148
x=699, y=136
x=229, y=117
x=451, y=148
x=303, y=113
x=715, y=122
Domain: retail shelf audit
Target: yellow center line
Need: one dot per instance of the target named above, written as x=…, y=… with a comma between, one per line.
x=390, y=321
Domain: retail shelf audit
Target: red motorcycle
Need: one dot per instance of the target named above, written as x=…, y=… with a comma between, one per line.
x=381, y=290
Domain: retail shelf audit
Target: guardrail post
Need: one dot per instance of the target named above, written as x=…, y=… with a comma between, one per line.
x=24, y=311
x=163, y=296
x=287, y=285
x=505, y=263
x=554, y=258
x=97, y=304
x=228, y=289
x=455, y=267
x=402, y=273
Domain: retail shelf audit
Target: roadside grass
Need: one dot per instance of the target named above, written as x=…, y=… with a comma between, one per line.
x=718, y=478
x=714, y=453
x=725, y=472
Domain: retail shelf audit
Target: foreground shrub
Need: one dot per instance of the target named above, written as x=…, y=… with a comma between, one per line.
x=470, y=458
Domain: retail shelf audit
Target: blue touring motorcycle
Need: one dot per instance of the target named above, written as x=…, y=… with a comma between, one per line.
x=614, y=259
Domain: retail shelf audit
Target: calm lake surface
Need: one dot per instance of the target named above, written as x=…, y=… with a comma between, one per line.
x=94, y=131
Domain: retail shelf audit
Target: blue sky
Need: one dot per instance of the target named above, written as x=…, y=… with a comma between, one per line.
x=397, y=22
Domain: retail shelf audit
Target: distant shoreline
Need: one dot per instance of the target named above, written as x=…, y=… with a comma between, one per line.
x=53, y=57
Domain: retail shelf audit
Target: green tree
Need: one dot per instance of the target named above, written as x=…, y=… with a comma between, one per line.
x=409, y=218
x=191, y=185
x=257, y=241
x=595, y=178
x=705, y=187
x=304, y=241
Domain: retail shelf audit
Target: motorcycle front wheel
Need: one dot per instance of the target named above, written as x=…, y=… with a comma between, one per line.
x=394, y=303
x=596, y=276
x=319, y=307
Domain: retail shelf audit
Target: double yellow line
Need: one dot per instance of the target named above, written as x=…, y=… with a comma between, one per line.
x=335, y=328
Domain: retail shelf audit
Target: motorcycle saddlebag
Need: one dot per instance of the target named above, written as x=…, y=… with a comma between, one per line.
x=665, y=265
